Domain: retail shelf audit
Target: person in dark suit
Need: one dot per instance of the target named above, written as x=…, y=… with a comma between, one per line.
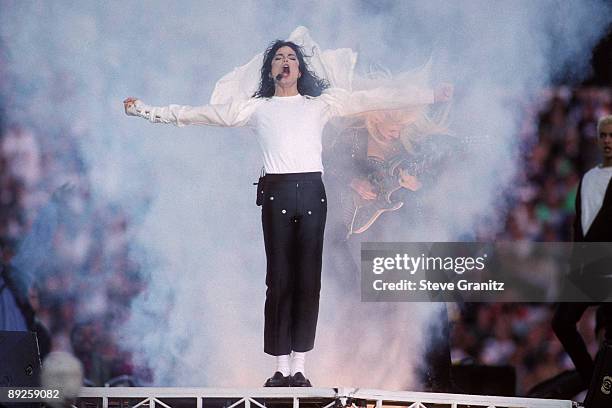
x=593, y=223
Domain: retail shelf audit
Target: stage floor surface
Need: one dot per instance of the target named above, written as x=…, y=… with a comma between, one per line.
x=178, y=397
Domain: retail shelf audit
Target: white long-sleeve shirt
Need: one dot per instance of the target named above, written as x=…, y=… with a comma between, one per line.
x=288, y=129
x=594, y=185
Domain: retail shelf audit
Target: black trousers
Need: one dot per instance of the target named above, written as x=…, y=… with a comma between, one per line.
x=293, y=218
x=565, y=319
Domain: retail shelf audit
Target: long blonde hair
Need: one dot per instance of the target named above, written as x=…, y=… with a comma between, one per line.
x=417, y=122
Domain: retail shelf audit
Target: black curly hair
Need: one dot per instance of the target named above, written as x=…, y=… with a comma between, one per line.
x=308, y=83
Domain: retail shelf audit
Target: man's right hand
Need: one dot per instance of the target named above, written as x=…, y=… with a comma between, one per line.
x=128, y=104
x=364, y=188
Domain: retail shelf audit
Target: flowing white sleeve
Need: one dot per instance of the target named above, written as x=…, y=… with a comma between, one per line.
x=233, y=114
x=341, y=102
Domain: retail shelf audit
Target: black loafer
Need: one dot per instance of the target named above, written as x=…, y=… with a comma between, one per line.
x=298, y=380
x=278, y=380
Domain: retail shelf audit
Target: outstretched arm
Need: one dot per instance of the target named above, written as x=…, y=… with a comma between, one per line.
x=233, y=114
x=344, y=103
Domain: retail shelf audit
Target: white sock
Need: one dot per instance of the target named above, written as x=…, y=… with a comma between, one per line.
x=297, y=363
x=282, y=364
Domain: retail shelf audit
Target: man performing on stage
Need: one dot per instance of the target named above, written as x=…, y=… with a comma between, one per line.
x=287, y=112
x=593, y=223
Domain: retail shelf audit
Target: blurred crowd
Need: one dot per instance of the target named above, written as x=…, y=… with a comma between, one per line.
x=78, y=248
x=67, y=252
x=558, y=145
x=558, y=139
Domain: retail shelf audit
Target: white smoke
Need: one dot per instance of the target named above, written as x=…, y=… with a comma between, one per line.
x=200, y=321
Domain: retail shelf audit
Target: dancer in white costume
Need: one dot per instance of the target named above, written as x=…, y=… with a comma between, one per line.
x=287, y=101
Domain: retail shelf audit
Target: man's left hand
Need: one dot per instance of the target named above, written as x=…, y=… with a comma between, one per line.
x=409, y=181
